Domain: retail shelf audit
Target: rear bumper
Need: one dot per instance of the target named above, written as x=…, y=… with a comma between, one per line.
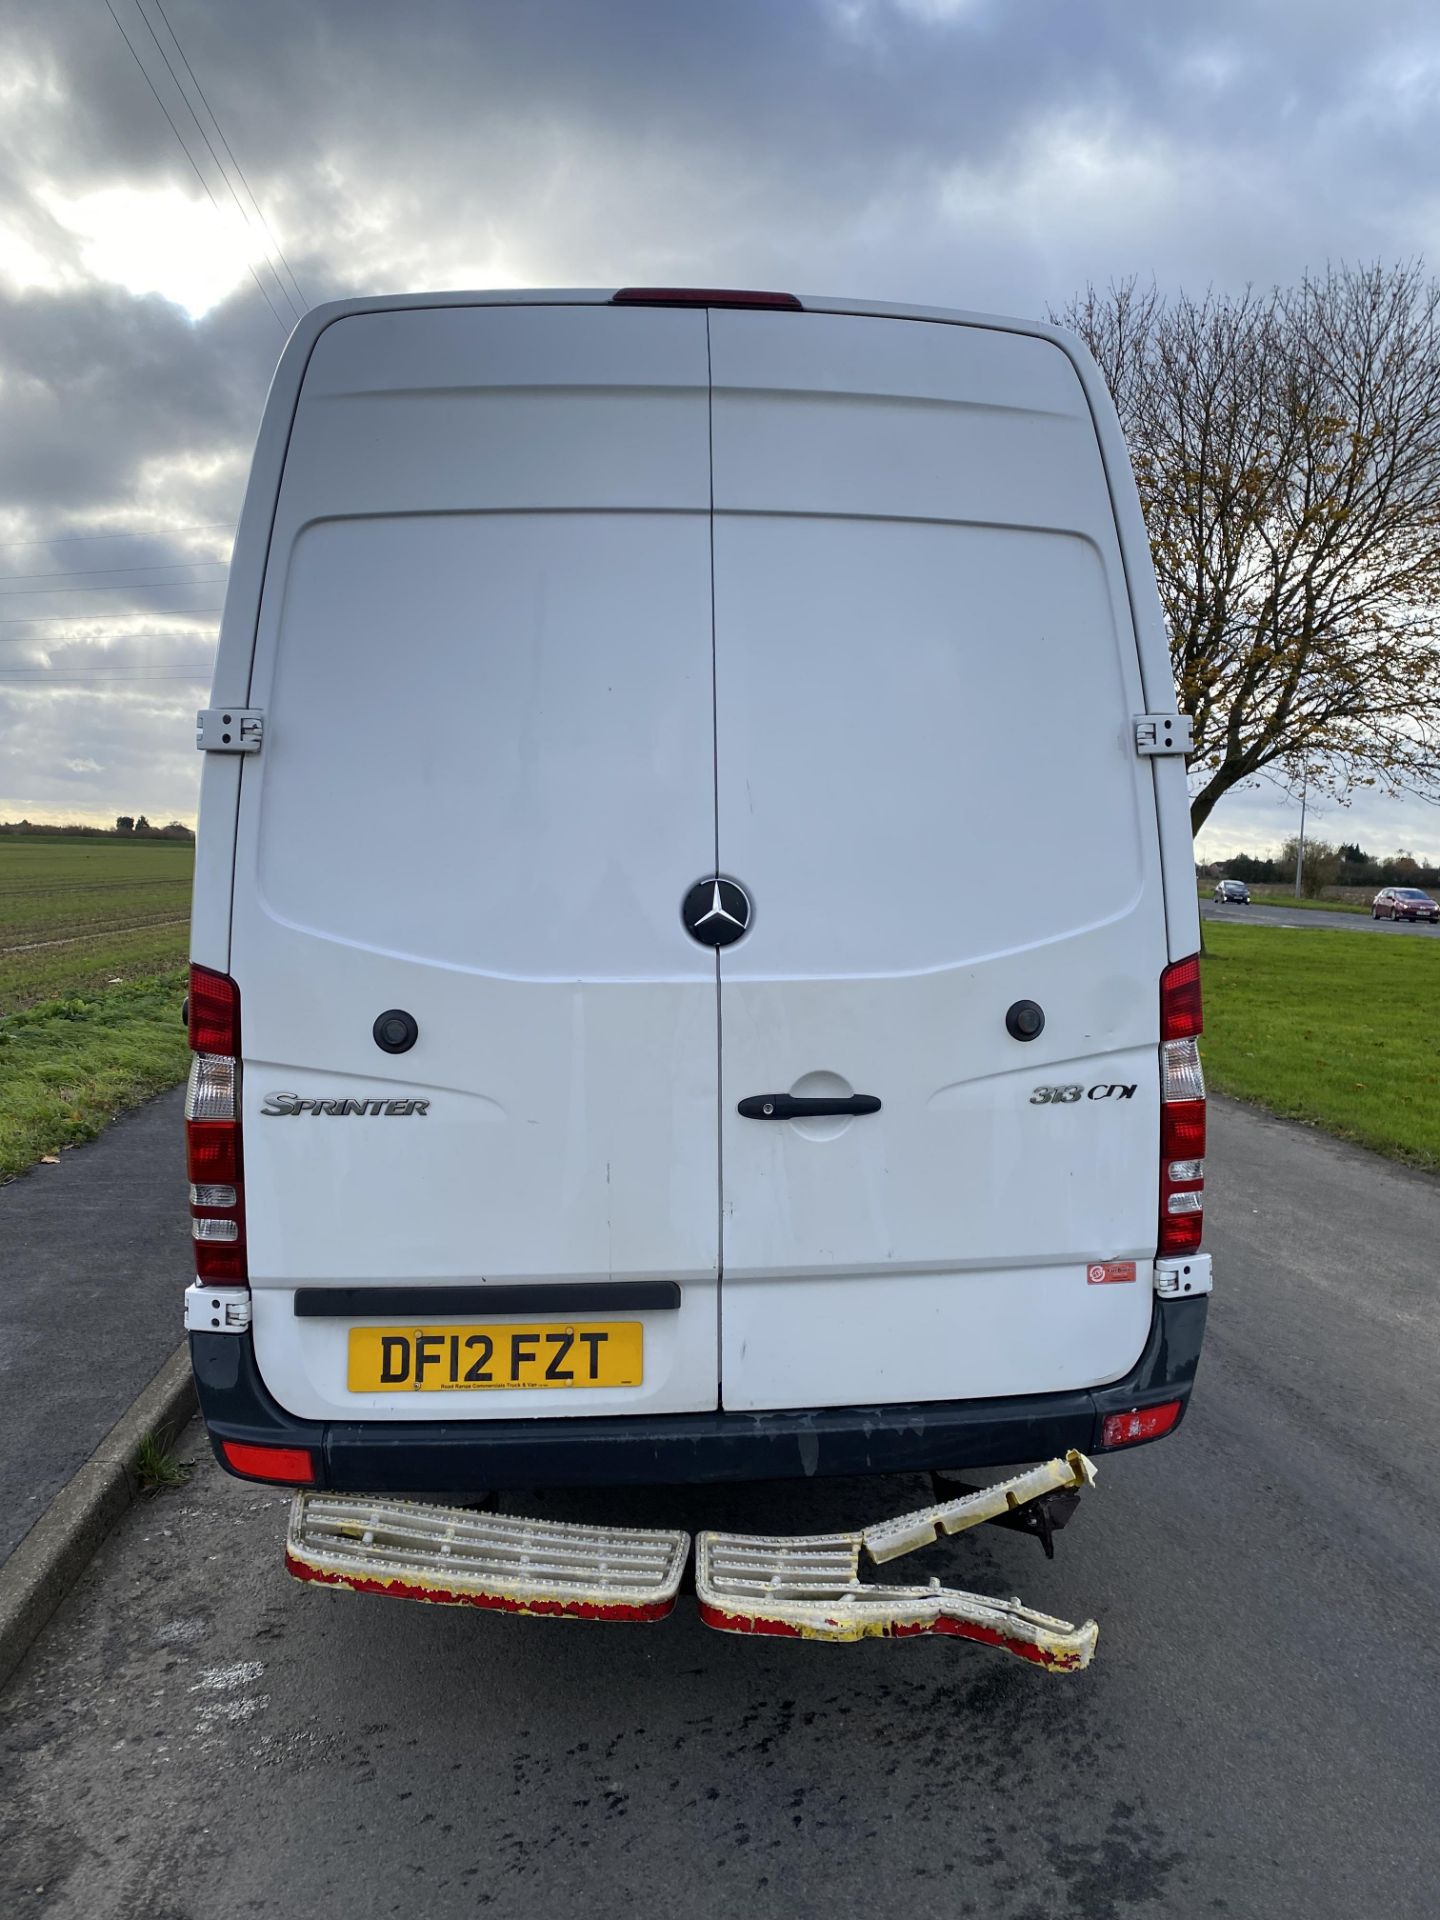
x=434, y=1456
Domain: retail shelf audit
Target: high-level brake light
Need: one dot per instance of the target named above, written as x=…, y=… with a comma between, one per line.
x=703, y=297
x=212, y=1130
x=1182, y=1110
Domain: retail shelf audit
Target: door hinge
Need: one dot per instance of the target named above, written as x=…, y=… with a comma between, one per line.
x=229, y=729
x=1163, y=733
x=216, y=1309
x=1176, y=1279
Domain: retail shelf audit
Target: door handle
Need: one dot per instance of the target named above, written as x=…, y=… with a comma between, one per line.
x=789, y=1106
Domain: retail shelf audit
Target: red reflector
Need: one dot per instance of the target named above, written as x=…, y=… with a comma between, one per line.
x=1141, y=1423
x=702, y=297
x=212, y=1151
x=294, y=1466
x=214, y=1012
x=1180, y=1012
x=1182, y=1130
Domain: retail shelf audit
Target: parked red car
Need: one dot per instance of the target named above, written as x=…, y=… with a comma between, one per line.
x=1404, y=903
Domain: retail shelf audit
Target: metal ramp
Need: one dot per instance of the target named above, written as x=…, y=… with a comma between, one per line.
x=810, y=1589
x=805, y=1587
x=453, y=1557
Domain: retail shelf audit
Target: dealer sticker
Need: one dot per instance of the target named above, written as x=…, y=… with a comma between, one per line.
x=1105, y=1273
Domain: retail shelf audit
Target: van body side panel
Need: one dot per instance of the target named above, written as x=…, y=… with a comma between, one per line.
x=484, y=654
x=926, y=673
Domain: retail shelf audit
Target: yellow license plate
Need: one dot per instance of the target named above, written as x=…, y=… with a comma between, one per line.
x=589, y=1353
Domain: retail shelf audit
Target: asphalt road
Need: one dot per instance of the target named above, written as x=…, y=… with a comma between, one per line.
x=1316, y=917
x=195, y=1735
x=94, y=1256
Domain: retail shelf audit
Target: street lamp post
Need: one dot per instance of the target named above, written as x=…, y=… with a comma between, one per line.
x=1300, y=844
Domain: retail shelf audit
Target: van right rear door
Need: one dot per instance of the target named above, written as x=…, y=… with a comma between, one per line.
x=926, y=679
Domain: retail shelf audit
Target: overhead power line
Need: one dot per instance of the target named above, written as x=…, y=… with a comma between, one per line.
x=280, y=320
x=98, y=640
x=111, y=613
x=210, y=149
x=111, y=586
x=137, y=670
x=198, y=679
x=143, y=533
x=220, y=135
x=7, y=580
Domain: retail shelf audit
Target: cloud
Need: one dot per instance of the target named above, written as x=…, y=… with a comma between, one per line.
x=978, y=153
x=143, y=753
x=156, y=240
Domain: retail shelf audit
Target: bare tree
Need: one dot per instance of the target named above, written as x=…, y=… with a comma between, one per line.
x=1319, y=865
x=1287, y=450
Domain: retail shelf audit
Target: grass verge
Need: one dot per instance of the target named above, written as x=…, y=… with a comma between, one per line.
x=1277, y=897
x=1321, y=1027
x=67, y=1067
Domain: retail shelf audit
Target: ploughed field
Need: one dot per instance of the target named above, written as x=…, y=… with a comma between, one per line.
x=78, y=914
x=93, y=936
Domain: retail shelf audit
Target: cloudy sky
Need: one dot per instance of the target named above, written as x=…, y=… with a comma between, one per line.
x=981, y=153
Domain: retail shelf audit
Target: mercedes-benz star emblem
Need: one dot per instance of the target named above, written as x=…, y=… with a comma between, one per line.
x=716, y=912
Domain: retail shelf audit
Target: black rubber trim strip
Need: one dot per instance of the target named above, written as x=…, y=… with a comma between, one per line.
x=415, y=1303
x=455, y=1455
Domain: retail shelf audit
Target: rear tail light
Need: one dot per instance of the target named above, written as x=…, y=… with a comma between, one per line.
x=212, y=1131
x=1180, y=1014
x=211, y=1093
x=211, y=1196
x=1140, y=1423
x=1181, y=1078
x=223, y=1230
x=214, y=1017
x=1182, y=1112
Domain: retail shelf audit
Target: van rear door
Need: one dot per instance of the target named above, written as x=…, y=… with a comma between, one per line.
x=926, y=676
x=487, y=779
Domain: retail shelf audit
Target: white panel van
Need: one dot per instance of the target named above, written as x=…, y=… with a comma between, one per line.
x=694, y=923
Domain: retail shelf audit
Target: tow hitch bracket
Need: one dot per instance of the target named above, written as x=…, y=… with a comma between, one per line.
x=909, y=1531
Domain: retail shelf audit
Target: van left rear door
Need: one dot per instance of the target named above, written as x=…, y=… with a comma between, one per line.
x=487, y=779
